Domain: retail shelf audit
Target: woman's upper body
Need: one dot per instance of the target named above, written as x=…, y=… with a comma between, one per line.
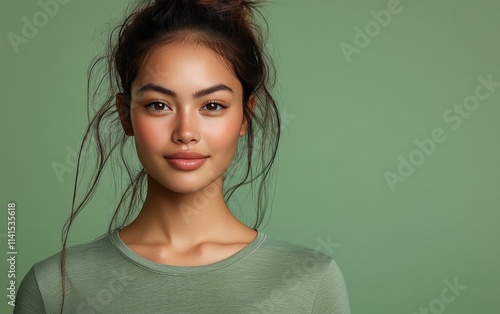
x=265, y=276
x=192, y=92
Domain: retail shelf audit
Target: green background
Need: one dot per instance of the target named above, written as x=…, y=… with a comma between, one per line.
x=345, y=126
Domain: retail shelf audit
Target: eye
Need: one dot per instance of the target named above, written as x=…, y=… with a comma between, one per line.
x=214, y=105
x=157, y=106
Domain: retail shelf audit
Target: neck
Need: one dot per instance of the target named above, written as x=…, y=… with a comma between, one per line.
x=182, y=219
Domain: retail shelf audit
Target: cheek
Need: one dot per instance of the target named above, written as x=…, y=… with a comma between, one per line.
x=147, y=132
x=223, y=135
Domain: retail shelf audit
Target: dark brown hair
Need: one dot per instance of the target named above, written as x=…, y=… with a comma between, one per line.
x=229, y=28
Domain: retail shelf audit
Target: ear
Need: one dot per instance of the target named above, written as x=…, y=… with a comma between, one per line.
x=244, y=125
x=123, y=108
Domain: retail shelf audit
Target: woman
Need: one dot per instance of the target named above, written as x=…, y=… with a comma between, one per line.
x=189, y=83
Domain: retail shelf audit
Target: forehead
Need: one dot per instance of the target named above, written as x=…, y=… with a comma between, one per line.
x=183, y=64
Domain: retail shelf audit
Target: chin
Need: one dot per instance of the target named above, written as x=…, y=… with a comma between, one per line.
x=182, y=185
x=182, y=188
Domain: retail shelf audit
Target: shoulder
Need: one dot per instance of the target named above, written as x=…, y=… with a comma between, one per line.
x=327, y=279
x=80, y=261
x=282, y=259
x=76, y=256
x=40, y=289
x=312, y=277
x=289, y=251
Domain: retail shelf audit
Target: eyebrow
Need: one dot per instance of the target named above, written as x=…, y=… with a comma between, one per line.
x=198, y=94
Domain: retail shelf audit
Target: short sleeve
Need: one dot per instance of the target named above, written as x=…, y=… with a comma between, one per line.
x=331, y=296
x=28, y=297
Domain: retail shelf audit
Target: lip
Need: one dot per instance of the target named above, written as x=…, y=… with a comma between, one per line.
x=186, y=155
x=186, y=164
x=186, y=160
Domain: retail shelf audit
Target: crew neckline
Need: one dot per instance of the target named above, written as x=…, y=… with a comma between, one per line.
x=143, y=262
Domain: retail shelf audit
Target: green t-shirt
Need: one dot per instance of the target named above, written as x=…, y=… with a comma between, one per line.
x=266, y=276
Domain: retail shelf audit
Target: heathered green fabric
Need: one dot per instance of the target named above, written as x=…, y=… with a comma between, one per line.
x=266, y=276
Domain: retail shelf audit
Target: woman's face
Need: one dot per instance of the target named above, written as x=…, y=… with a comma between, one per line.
x=185, y=99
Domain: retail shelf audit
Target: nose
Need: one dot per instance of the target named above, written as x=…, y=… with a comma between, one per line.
x=186, y=127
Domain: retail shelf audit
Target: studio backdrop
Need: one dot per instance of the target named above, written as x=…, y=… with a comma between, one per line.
x=389, y=153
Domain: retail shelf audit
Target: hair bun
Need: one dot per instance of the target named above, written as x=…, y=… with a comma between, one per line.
x=231, y=9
